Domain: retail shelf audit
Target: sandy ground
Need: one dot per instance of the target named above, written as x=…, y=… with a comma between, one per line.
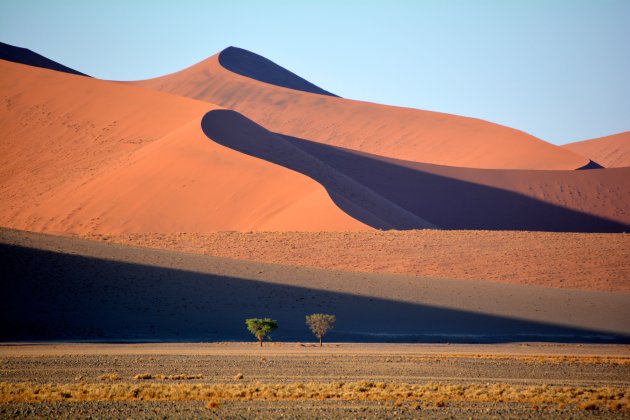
x=522, y=364
x=560, y=260
x=65, y=288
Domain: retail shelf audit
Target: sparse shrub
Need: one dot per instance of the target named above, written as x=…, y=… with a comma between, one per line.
x=320, y=324
x=261, y=328
x=142, y=376
x=440, y=403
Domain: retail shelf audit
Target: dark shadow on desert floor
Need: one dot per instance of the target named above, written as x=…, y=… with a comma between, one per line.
x=421, y=190
x=55, y=296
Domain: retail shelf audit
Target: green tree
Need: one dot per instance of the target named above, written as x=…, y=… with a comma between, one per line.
x=261, y=327
x=320, y=324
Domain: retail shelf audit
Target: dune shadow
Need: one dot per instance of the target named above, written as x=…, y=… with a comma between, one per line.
x=411, y=189
x=58, y=296
x=30, y=58
x=590, y=165
x=254, y=66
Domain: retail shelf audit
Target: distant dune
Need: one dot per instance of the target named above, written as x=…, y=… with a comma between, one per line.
x=610, y=151
x=85, y=155
x=402, y=133
x=26, y=56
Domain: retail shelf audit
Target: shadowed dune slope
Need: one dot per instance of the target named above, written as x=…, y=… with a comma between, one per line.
x=402, y=133
x=28, y=57
x=62, y=288
x=231, y=129
x=442, y=196
x=610, y=151
x=254, y=66
x=84, y=155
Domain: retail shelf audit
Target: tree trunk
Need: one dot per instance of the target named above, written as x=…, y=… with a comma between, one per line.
x=260, y=341
x=321, y=340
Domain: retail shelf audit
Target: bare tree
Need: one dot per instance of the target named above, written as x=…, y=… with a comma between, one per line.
x=320, y=324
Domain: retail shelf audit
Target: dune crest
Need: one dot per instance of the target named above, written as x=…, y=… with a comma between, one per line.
x=402, y=133
x=611, y=151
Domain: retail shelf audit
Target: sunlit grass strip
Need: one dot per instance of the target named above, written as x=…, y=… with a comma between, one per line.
x=586, y=360
x=608, y=397
x=577, y=360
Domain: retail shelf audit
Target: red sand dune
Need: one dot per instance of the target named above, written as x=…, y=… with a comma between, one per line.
x=610, y=151
x=402, y=133
x=83, y=155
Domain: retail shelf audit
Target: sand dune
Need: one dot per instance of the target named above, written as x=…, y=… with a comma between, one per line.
x=585, y=261
x=84, y=155
x=56, y=288
x=26, y=56
x=81, y=155
x=610, y=151
x=444, y=196
x=402, y=133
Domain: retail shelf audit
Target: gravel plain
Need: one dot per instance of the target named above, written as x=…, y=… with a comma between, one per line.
x=522, y=364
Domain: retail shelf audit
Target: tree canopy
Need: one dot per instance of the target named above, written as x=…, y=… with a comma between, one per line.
x=320, y=325
x=261, y=328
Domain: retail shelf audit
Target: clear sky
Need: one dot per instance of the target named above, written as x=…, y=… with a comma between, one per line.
x=557, y=69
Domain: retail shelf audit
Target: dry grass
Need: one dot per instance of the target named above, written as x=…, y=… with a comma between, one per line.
x=110, y=377
x=586, y=360
x=180, y=377
x=605, y=398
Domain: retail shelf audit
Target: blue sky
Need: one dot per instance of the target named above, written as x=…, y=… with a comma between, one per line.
x=559, y=70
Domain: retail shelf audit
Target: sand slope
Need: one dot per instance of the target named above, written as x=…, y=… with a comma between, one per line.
x=58, y=288
x=402, y=133
x=84, y=155
x=610, y=151
x=593, y=261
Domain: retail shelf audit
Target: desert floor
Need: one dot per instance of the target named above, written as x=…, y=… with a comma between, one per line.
x=518, y=380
